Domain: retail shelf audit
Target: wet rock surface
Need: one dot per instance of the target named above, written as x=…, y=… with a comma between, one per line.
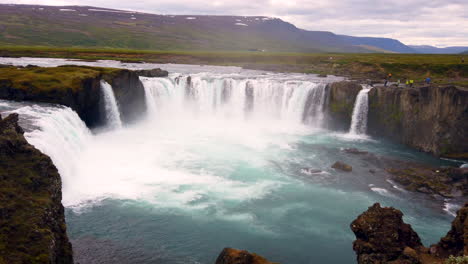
x=153, y=73
x=340, y=103
x=355, y=151
x=383, y=237
x=447, y=182
x=235, y=256
x=342, y=166
x=32, y=221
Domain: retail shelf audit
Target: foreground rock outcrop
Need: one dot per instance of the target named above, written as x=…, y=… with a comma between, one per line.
x=235, y=256
x=32, y=221
x=431, y=119
x=383, y=237
x=77, y=87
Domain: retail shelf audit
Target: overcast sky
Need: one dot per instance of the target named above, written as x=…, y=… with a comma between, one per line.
x=432, y=22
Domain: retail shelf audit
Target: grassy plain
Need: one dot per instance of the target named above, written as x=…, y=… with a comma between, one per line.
x=443, y=69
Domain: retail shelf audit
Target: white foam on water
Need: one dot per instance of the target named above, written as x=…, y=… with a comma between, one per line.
x=451, y=208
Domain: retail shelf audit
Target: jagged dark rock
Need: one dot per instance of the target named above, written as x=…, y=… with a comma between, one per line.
x=383, y=237
x=235, y=256
x=32, y=221
x=432, y=119
x=455, y=243
x=342, y=166
x=152, y=73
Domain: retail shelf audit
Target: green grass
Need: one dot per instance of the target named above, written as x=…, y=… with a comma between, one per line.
x=49, y=79
x=442, y=69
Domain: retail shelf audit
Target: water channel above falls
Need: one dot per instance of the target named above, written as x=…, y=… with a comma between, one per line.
x=208, y=168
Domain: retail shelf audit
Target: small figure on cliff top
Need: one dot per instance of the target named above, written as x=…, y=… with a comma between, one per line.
x=462, y=60
x=411, y=82
x=387, y=79
x=398, y=83
x=428, y=80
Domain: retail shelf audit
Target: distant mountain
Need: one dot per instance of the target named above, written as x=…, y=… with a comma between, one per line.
x=85, y=26
x=388, y=44
x=465, y=52
x=434, y=50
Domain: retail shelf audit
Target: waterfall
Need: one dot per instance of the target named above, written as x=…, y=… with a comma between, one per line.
x=110, y=106
x=57, y=132
x=313, y=108
x=263, y=99
x=361, y=107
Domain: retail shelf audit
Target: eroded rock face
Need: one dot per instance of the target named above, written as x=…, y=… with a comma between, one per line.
x=340, y=104
x=130, y=95
x=235, y=256
x=32, y=221
x=152, y=73
x=382, y=236
x=432, y=119
x=456, y=241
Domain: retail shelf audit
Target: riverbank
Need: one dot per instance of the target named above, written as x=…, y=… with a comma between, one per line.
x=444, y=69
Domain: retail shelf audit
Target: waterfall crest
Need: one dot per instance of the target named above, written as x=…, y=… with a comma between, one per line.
x=360, y=110
x=110, y=106
x=299, y=102
x=56, y=131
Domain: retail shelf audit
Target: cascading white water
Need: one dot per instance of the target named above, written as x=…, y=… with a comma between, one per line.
x=110, y=105
x=58, y=132
x=223, y=96
x=360, y=110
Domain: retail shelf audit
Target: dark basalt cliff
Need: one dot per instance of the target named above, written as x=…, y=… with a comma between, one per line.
x=383, y=237
x=32, y=221
x=340, y=104
x=431, y=119
x=77, y=87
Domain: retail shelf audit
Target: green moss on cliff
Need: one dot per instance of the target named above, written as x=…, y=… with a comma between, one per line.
x=342, y=108
x=32, y=226
x=55, y=78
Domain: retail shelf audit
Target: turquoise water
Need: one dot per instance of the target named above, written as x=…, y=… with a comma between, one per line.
x=200, y=175
x=260, y=202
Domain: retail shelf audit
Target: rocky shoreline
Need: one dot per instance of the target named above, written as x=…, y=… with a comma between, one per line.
x=383, y=237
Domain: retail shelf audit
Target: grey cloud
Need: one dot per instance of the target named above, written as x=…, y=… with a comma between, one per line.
x=433, y=22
